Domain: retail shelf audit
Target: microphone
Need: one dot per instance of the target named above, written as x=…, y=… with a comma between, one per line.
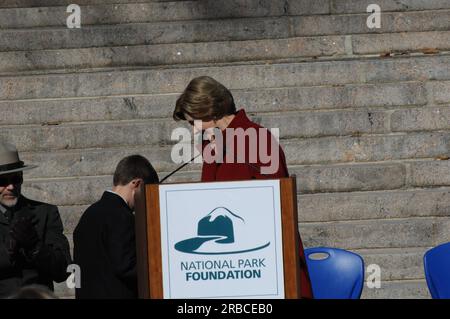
x=254, y=167
x=180, y=167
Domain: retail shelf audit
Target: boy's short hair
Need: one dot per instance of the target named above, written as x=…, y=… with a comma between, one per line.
x=132, y=167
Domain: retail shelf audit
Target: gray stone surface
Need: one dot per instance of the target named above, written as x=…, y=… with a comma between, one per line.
x=325, y=150
x=440, y=91
x=379, y=147
x=144, y=33
x=218, y=30
x=431, y=173
x=155, y=131
x=174, y=80
x=301, y=7
x=70, y=216
x=169, y=54
x=401, y=42
x=396, y=264
x=421, y=119
x=348, y=178
x=100, y=161
x=107, y=134
x=32, y=3
x=357, y=6
x=356, y=23
x=374, y=205
x=117, y=12
x=82, y=191
x=261, y=100
x=337, y=178
x=405, y=289
x=327, y=123
x=397, y=233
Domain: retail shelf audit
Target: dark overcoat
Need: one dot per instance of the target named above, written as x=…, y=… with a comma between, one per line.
x=50, y=264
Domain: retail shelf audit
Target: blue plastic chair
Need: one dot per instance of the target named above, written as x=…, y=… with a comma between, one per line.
x=437, y=271
x=335, y=273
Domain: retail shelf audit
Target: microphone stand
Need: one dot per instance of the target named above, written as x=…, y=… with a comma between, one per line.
x=224, y=153
x=179, y=168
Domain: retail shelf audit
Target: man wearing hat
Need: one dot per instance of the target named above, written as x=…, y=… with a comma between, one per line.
x=33, y=249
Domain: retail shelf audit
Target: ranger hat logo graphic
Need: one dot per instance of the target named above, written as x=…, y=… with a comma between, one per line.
x=216, y=235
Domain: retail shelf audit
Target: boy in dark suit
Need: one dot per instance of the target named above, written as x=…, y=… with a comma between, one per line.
x=104, y=239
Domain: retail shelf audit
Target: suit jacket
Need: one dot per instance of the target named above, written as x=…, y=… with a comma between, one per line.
x=105, y=250
x=51, y=262
x=232, y=170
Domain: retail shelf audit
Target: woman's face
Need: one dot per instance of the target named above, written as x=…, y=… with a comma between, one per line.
x=199, y=125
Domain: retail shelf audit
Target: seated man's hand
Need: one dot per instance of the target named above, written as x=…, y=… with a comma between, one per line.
x=24, y=233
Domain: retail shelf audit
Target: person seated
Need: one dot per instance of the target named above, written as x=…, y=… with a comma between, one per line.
x=33, y=248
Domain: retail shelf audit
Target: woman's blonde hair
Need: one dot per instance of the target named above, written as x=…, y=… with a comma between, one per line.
x=204, y=99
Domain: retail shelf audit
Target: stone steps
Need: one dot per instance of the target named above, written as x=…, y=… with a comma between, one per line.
x=143, y=33
x=367, y=234
x=363, y=149
x=182, y=53
x=312, y=7
x=329, y=47
x=403, y=289
x=291, y=125
x=53, y=13
x=48, y=3
x=358, y=6
x=400, y=204
x=148, y=132
x=417, y=21
x=217, y=30
x=396, y=264
x=257, y=76
x=156, y=106
x=310, y=180
x=130, y=12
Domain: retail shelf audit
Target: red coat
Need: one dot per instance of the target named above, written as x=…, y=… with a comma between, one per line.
x=232, y=170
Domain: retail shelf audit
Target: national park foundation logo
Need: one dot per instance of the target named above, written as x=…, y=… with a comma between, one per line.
x=222, y=232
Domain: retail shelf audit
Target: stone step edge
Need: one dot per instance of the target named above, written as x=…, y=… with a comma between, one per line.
x=260, y=63
x=167, y=147
x=284, y=16
x=249, y=90
x=291, y=167
x=273, y=114
x=301, y=58
x=373, y=220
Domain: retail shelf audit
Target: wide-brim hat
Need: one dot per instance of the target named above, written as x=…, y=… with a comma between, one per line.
x=10, y=161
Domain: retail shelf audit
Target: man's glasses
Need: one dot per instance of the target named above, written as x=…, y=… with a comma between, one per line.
x=12, y=180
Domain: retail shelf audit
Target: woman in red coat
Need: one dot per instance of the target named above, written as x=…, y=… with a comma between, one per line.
x=209, y=106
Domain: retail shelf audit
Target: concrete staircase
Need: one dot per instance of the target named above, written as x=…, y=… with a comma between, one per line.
x=364, y=115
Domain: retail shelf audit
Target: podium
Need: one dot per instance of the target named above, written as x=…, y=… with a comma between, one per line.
x=236, y=239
